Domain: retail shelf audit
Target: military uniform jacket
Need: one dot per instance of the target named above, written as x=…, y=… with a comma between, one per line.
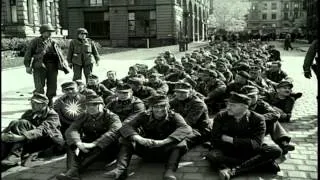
x=247, y=134
x=108, y=83
x=124, y=109
x=173, y=126
x=160, y=87
x=265, y=109
x=82, y=52
x=144, y=92
x=286, y=105
x=40, y=51
x=101, y=129
x=276, y=76
x=195, y=113
x=163, y=69
x=46, y=124
x=101, y=90
x=69, y=109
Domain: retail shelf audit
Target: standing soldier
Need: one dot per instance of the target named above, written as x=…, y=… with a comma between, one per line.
x=95, y=135
x=81, y=55
x=309, y=58
x=43, y=58
x=161, y=137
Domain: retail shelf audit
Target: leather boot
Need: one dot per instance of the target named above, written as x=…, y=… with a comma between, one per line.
x=124, y=157
x=14, y=157
x=71, y=174
x=172, y=163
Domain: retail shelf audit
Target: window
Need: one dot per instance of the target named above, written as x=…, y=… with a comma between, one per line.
x=53, y=14
x=295, y=14
x=95, y=3
x=131, y=2
x=253, y=7
x=13, y=10
x=296, y=5
x=265, y=6
x=97, y=24
x=264, y=16
x=42, y=12
x=286, y=5
x=273, y=6
x=178, y=2
x=286, y=16
x=142, y=23
x=274, y=16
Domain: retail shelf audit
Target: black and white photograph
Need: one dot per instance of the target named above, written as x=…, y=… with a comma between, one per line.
x=159, y=89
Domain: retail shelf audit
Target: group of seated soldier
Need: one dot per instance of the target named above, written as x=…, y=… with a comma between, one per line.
x=228, y=96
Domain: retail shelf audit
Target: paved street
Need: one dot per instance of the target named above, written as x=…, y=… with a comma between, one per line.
x=300, y=164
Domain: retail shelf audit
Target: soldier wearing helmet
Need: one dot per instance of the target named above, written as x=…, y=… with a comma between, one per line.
x=82, y=54
x=43, y=58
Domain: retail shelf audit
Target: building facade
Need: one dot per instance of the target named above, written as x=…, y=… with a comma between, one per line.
x=23, y=18
x=133, y=23
x=276, y=16
x=312, y=16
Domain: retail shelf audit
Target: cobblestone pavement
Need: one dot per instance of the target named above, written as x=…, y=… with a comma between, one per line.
x=299, y=164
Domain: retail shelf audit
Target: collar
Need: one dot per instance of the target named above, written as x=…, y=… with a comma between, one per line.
x=41, y=114
x=245, y=117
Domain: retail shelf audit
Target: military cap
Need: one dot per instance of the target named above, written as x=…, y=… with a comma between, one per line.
x=135, y=80
x=249, y=90
x=94, y=99
x=80, y=82
x=158, y=99
x=122, y=87
x=89, y=92
x=133, y=68
x=189, y=80
x=182, y=86
x=221, y=64
x=285, y=83
x=46, y=28
x=244, y=74
x=192, y=60
x=39, y=98
x=167, y=52
x=70, y=84
x=82, y=31
x=211, y=73
x=239, y=98
x=179, y=67
x=93, y=77
x=255, y=68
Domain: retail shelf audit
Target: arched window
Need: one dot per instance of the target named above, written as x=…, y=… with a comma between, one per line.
x=13, y=10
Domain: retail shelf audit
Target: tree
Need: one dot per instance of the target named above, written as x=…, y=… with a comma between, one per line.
x=229, y=15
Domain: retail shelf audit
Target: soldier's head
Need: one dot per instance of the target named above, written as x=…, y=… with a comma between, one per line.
x=275, y=66
x=82, y=33
x=133, y=70
x=135, y=83
x=255, y=72
x=159, y=106
x=237, y=104
x=70, y=88
x=39, y=102
x=81, y=85
x=182, y=91
x=221, y=66
x=155, y=77
x=183, y=59
x=123, y=92
x=241, y=77
x=94, y=104
x=252, y=92
x=187, y=66
x=93, y=80
x=46, y=30
x=284, y=88
x=160, y=60
x=111, y=75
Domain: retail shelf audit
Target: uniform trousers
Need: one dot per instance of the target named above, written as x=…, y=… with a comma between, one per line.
x=77, y=71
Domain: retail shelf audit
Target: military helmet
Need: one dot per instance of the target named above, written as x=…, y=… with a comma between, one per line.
x=46, y=27
x=82, y=30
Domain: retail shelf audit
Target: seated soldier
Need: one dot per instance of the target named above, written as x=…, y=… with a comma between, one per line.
x=278, y=134
x=139, y=90
x=36, y=130
x=160, y=138
x=194, y=111
x=275, y=73
x=158, y=84
x=100, y=89
x=264, y=85
x=133, y=72
x=111, y=82
x=222, y=68
x=237, y=136
x=94, y=135
x=161, y=67
x=125, y=104
x=70, y=105
x=282, y=100
x=241, y=79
